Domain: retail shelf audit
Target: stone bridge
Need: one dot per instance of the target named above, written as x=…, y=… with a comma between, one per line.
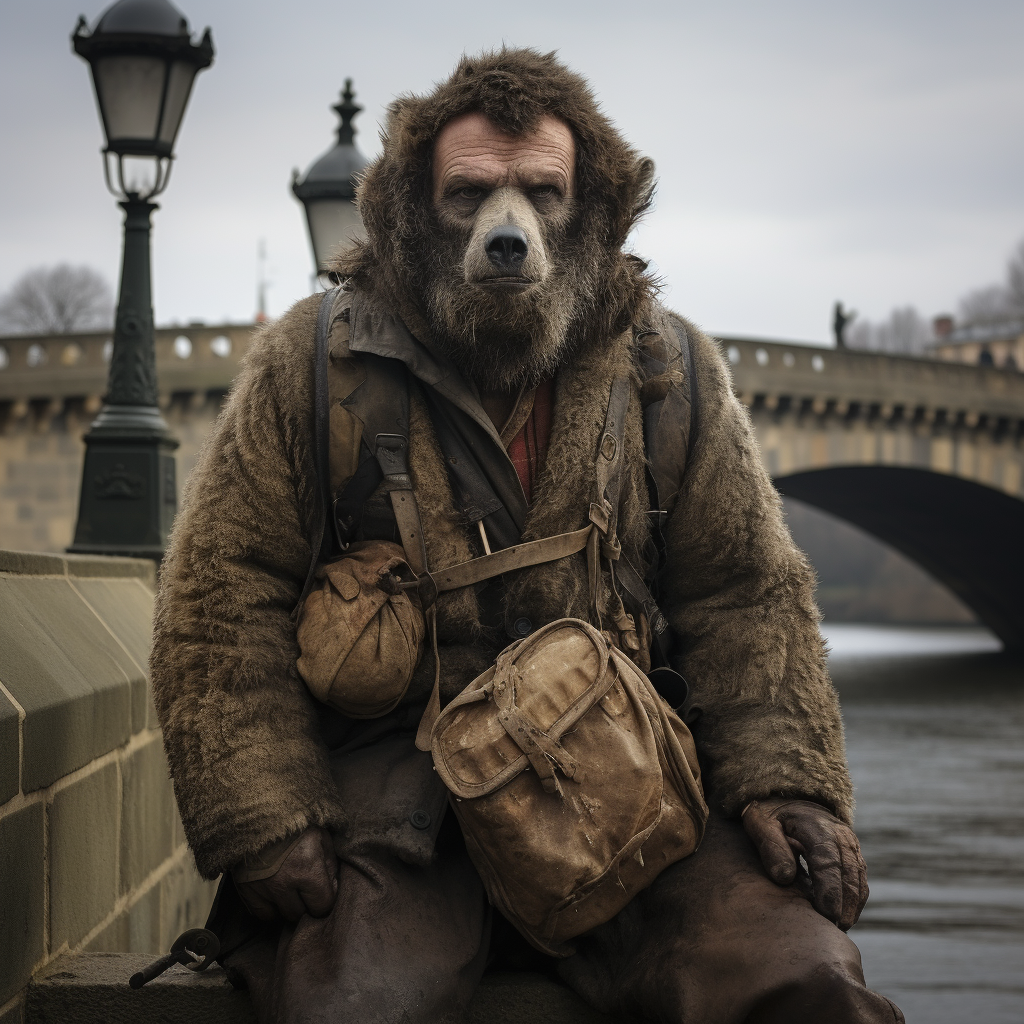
x=926, y=455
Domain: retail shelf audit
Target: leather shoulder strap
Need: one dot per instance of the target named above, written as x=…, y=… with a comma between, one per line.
x=321, y=538
x=690, y=387
x=669, y=395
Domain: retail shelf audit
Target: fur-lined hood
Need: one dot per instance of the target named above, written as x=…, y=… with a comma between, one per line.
x=514, y=88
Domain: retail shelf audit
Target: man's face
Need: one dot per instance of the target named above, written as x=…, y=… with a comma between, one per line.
x=502, y=287
x=505, y=194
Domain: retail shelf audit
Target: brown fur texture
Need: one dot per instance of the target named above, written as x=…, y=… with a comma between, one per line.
x=245, y=756
x=740, y=597
x=247, y=762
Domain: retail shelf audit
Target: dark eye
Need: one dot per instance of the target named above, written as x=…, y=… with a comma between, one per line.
x=543, y=191
x=470, y=192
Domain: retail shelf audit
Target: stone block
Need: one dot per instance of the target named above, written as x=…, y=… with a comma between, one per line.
x=135, y=930
x=32, y=563
x=185, y=901
x=22, y=883
x=112, y=939
x=69, y=674
x=10, y=750
x=140, y=704
x=106, y=566
x=147, y=824
x=14, y=1013
x=126, y=608
x=83, y=855
x=91, y=989
x=144, y=923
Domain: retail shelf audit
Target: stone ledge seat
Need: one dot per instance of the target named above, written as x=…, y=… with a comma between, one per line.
x=92, y=988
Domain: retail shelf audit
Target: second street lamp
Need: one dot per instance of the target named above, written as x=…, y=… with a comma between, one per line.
x=328, y=188
x=143, y=64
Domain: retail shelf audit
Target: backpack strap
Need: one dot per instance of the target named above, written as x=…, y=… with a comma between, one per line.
x=321, y=442
x=670, y=399
x=690, y=388
x=381, y=403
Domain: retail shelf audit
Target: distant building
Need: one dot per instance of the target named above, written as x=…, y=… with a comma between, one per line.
x=1000, y=344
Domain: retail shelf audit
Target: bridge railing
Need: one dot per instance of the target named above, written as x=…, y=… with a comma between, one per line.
x=203, y=357
x=779, y=377
x=35, y=368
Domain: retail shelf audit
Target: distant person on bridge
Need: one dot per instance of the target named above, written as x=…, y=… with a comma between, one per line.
x=840, y=321
x=461, y=525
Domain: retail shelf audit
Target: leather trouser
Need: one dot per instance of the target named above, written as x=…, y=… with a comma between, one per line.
x=712, y=941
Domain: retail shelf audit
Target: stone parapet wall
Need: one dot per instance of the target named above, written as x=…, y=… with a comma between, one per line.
x=41, y=454
x=40, y=368
x=50, y=391
x=92, y=854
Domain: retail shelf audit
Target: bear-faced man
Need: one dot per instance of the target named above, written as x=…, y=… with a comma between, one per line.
x=493, y=418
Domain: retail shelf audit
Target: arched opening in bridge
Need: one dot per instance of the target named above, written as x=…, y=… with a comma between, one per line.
x=863, y=580
x=968, y=536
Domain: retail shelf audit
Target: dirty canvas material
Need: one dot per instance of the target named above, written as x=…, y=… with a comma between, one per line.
x=574, y=783
x=360, y=633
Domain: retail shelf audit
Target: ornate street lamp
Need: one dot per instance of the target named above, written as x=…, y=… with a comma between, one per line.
x=328, y=189
x=143, y=63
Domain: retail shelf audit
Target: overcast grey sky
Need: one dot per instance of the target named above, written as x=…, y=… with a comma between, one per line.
x=807, y=151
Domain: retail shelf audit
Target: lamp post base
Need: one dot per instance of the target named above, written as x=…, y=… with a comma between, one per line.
x=129, y=494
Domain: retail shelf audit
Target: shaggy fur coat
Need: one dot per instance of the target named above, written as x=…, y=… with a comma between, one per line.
x=240, y=728
x=247, y=760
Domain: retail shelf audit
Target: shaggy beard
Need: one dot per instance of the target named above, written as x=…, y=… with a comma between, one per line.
x=503, y=341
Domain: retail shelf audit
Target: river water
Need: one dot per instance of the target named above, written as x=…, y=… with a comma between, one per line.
x=935, y=735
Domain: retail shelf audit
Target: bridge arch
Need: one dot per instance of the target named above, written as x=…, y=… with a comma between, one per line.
x=968, y=535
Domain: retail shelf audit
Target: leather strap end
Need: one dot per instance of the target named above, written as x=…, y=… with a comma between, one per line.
x=433, y=710
x=430, y=716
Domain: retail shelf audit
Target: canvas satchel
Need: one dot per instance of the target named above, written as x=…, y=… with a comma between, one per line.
x=574, y=782
x=360, y=632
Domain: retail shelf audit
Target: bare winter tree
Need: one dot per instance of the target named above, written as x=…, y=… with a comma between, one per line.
x=906, y=332
x=998, y=302
x=57, y=300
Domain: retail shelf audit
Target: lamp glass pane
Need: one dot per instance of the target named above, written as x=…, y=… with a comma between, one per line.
x=179, y=85
x=140, y=173
x=333, y=223
x=129, y=91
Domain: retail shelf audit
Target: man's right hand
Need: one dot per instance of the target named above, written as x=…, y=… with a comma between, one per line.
x=305, y=881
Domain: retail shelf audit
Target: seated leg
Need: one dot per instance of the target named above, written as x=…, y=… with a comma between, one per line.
x=715, y=941
x=404, y=943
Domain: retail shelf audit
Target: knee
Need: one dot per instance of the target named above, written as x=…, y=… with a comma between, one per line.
x=827, y=994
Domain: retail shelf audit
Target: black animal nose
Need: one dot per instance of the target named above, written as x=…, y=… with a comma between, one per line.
x=506, y=248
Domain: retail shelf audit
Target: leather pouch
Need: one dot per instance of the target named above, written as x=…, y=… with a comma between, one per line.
x=574, y=782
x=360, y=633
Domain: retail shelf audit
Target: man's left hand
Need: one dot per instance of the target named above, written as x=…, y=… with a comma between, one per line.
x=783, y=829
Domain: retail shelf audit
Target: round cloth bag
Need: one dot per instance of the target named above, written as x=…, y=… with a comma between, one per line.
x=360, y=634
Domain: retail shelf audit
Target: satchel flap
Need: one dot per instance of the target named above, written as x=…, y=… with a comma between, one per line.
x=559, y=673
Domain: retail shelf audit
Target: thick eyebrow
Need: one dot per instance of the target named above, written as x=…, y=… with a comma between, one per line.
x=534, y=178
x=528, y=177
x=471, y=179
